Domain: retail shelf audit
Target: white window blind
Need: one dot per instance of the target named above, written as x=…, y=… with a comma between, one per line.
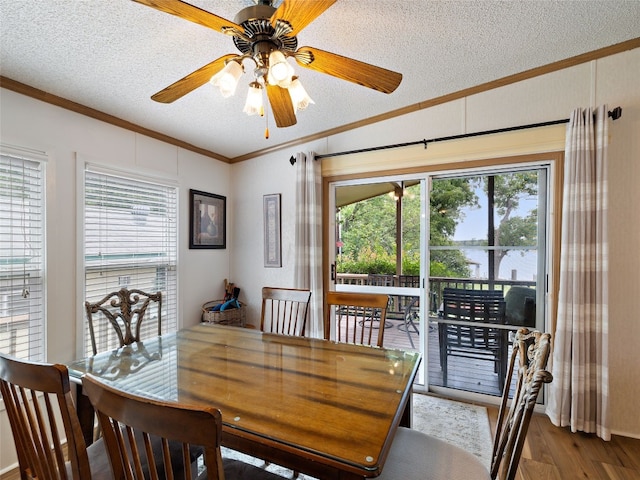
x=22, y=257
x=130, y=240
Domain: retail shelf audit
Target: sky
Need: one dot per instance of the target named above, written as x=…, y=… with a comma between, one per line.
x=474, y=226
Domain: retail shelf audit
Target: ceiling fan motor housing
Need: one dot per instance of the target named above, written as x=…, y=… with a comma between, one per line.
x=263, y=38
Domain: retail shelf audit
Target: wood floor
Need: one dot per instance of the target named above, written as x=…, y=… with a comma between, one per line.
x=552, y=453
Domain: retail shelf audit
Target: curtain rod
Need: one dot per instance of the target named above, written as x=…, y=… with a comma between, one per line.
x=615, y=114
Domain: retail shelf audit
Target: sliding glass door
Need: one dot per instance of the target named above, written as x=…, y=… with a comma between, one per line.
x=487, y=235
x=378, y=234
x=416, y=237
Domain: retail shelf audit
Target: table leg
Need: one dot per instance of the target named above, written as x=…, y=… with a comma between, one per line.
x=405, y=420
x=86, y=415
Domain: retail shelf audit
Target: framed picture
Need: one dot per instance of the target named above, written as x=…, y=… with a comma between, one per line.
x=272, y=246
x=207, y=220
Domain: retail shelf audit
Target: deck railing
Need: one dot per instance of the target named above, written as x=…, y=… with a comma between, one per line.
x=436, y=286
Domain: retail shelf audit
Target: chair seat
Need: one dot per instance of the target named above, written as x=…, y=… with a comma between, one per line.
x=239, y=470
x=98, y=460
x=417, y=456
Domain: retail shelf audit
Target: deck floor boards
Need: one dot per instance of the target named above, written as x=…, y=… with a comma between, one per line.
x=466, y=374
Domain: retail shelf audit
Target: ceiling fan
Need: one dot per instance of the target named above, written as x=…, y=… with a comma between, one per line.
x=267, y=35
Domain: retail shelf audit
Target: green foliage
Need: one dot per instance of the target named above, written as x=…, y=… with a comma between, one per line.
x=449, y=263
x=510, y=188
x=519, y=231
x=369, y=223
x=367, y=261
x=447, y=199
x=368, y=228
x=368, y=231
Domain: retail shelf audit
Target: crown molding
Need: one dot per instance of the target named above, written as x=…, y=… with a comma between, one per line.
x=501, y=82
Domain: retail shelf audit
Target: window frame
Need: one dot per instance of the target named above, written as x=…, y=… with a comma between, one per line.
x=37, y=310
x=170, y=307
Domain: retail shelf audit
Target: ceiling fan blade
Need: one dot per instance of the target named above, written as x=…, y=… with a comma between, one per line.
x=355, y=71
x=191, y=81
x=300, y=13
x=281, y=106
x=191, y=13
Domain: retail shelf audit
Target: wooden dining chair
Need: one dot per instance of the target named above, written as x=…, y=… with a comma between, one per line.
x=125, y=417
x=418, y=456
x=285, y=310
x=358, y=318
x=37, y=396
x=122, y=314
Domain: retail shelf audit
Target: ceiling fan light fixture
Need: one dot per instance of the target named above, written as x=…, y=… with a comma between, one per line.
x=267, y=35
x=299, y=96
x=227, y=78
x=280, y=71
x=253, y=105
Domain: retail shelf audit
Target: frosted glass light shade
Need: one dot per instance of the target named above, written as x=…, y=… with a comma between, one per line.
x=253, y=105
x=299, y=96
x=280, y=71
x=227, y=78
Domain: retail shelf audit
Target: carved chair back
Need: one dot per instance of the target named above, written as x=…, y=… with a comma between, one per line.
x=124, y=311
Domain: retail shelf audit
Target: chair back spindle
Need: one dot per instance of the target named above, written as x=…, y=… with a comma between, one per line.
x=125, y=419
x=358, y=318
x=530, y=354
x=36, y=396
x=285, y=311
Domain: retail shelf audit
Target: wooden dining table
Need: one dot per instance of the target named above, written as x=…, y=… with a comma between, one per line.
x=326, y=409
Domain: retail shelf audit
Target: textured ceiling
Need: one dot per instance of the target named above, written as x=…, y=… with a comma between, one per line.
x=112, y=55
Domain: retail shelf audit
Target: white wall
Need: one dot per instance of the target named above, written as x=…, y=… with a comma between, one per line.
x=29, y=123
x=612, y=80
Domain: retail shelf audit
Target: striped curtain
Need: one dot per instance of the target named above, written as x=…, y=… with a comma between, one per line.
x=579, y=394
x=308, y=237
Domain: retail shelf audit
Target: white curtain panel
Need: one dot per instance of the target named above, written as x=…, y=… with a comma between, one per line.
x=579, y=393
x=308, y=237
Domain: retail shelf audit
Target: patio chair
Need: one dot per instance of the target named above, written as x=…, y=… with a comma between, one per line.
x=411, y=319
x=36, y=397
x=356, y=317
x=417, y=456
x=125, y=311
x=458, y=337
x=284, y=310
x=520, y=306
x=125, y=418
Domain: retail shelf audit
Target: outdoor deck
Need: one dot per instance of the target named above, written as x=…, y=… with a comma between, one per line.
x=464, y=373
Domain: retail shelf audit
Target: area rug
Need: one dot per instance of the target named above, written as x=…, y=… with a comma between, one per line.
x=461, y=424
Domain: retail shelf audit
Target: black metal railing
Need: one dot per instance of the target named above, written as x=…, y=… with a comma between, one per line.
x=398, y=303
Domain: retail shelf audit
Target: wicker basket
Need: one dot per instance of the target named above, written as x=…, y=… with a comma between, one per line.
x=232, y=316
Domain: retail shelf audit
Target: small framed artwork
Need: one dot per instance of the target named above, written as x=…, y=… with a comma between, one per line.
x=272, y=231
x=207, y=220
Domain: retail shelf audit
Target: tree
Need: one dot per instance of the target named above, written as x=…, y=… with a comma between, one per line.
x=448, y=198
x=368, y=229
x=368, y=224
x=515, y=231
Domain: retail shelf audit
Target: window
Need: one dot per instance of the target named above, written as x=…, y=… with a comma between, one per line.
x=130, y=240
x=22, y=314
